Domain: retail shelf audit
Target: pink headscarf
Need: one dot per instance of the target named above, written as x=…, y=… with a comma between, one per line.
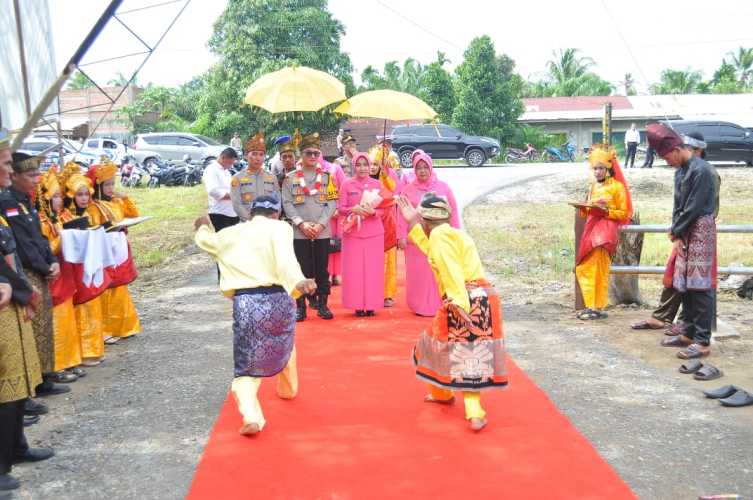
x=418, y=156
x=355, y=159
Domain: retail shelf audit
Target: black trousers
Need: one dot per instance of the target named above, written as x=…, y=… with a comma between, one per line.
x=649, y=162
x=698, y=307
x=669, y=305
x=220, y=221
x=12, y=439
x=313, y=256
x=632, y=148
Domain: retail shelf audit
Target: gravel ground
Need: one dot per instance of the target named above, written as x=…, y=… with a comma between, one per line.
x=136, y=426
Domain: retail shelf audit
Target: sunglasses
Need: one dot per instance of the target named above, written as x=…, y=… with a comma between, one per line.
x=311, y=153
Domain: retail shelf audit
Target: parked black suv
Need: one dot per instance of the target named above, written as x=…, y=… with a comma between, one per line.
x=448, y=144
x=726, y=141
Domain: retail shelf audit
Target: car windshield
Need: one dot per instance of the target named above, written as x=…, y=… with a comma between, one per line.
x=209, y=141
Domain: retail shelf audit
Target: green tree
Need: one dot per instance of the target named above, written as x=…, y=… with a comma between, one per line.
x=254, y=37
x=121, y=80
x=568, y=74
x=160, y=109
x=487, y=91
x=79, y=81
x=742, y=61
x=678, y=82
x=628, y=84
x=371, y=79
x=437, y=88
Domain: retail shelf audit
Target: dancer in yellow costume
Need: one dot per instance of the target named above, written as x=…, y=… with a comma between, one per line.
x=607, y=207
x=78, y=191
x=49, y=202
x=110, y=207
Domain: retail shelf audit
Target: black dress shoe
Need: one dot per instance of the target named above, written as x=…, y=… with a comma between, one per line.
x=360, y=313
x=63, y=377
x=738, y=399
x=313, y=302
x=34, y=407
x=722, y=392
x=8, y=482
x=34, y=455
x=370, y=313
x=323, y=311
x=50, y=388
x=30, y=420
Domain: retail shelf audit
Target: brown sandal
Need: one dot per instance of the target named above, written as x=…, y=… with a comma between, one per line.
x=678, y=341
x=646, y=325
x=694, y=351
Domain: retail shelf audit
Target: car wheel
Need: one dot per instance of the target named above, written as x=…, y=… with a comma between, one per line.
x=405, y=157
x=475, y=157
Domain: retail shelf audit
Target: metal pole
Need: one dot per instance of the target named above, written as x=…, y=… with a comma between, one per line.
x=606, y=125
x=22, y=54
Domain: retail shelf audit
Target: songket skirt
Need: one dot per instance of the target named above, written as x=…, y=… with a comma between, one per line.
x=120, y=318
x=420, y=285
x=456, y=355
x=67, y=338
x=89, y=324
x=695, y=268
x=42, y=322
x=263, y=333
x=363, y=272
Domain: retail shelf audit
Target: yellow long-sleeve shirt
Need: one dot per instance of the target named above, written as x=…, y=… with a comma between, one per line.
x=101, y=211
x=453, y=258
x=613, y=192
x=251, y=254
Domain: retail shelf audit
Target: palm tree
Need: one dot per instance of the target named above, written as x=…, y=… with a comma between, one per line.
x=743, y=63
x=79, y=81
x=628, y=84
x=678, y=82
x=567, y=66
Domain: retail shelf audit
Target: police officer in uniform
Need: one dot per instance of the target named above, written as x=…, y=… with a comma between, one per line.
x=253, y=182
x=39, y=265
x=309, y=199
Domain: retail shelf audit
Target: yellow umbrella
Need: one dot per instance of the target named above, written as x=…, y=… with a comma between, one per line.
x=388, y=105
x=295, y=88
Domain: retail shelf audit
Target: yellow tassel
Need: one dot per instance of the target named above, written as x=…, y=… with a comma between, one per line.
x=332, y=193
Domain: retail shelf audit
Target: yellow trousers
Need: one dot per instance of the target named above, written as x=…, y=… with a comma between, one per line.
x=66, y=336
x=120, y=316
x=245, y=390
x=593, y=278
x=472, y=401
x=390, y=273
x=89, y=324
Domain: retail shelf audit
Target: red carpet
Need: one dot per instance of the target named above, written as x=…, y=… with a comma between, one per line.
x=359, y=429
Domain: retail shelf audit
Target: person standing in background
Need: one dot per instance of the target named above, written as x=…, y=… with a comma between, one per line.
x=216, y=181
x=632, y=139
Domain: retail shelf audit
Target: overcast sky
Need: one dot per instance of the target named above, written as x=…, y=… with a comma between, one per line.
x=638, y=36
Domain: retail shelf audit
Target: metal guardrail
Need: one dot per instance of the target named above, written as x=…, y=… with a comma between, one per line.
x=664, y=228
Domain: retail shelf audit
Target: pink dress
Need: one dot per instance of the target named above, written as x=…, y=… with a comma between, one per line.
x=420, y=286
x=362, y=251
x=334, y=266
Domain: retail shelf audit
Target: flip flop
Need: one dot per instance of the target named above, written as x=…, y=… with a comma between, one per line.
x=722, y=392
x=645, y=325
x=678, y=341
x=708, y=372
x=692, y=352
x=691, y=366
x=738, y=399
x=675, y=329
x=588, y=315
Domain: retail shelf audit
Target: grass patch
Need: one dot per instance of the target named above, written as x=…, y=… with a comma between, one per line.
x=533, y=242
x=174, y=210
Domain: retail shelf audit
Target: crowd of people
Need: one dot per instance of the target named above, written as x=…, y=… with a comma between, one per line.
x=311, y=225
x=63, y=294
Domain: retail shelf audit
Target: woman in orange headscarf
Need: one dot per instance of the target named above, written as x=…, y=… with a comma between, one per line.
x=608, y=206
x=110, y=207
x=49, y=201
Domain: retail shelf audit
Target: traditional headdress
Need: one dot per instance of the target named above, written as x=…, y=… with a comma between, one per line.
x=103, y=172
x=49, y=184
x=310, y=141
x=72, y=180
x=255, y=143
x=266, y=201
x=4, y=139
x=662, y=138
x=694, y=140
x=25, y=163
x=291, y=145
x=607, y=156
x=434, y=207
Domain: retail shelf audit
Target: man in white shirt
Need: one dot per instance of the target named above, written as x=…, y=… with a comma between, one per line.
x=216, y=180
x=632, y=139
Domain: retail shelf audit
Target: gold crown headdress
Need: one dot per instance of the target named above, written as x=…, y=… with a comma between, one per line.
x=255, y=142
x=103, y=172
x=71, y=179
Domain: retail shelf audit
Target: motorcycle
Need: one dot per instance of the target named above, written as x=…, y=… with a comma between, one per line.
x=136, y=175
x=564, y=153
x=194, y=173
x=514, y=154
x=167, y=174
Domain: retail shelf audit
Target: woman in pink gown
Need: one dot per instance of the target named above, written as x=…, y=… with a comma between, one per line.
x=334, y=265
x=421, y=288
x=362, y=243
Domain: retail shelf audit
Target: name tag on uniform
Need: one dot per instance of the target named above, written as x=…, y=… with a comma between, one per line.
x=11, y=212
x=298, y=199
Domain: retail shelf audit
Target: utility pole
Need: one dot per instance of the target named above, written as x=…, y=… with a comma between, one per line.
x=22, y=55
x=606, y=125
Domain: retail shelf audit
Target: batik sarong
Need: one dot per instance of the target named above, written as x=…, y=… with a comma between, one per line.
x=42, y=322
x=263, y=332
x=463, y=356
x=695, y=267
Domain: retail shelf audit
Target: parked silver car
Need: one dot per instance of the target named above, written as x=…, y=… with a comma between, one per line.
x=176, y=145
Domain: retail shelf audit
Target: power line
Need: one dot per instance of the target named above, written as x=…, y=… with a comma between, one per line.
x=414, y=23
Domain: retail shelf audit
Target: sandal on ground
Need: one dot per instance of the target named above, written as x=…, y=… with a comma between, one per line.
x=587, y=315
x=91, y=362
x=602, y=314
x=79, y=372
x=250, y=429
x=738, y=399
x=722, y=392
x=708, y=372
x=645, y=325
x=691, y=366
x=476, y=424
x=694, y=351
x=678, y=341
x=675, y=329
x=430, y=399
x=112, y=340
